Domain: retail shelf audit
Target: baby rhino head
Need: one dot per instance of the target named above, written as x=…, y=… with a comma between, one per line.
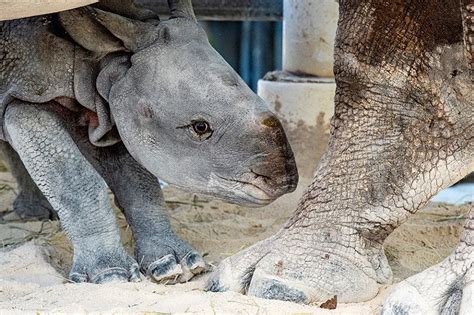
x=186, y=116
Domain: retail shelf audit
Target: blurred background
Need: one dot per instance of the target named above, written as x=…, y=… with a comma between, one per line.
x=252, y=48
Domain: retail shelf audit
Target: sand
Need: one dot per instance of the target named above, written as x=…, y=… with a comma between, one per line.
x=36, y=257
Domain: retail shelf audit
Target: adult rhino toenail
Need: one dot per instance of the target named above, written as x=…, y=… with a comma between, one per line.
x=276, y=290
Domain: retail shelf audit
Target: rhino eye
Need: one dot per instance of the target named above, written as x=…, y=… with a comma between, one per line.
x=201, y=127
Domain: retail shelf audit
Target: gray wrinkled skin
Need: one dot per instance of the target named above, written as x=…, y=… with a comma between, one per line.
x=89, y=95
x=74, y=189
x=403, y=130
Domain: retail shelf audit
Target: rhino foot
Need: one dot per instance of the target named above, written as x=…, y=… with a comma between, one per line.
x=291, y=268
x=446, y=288
x=111, y=265
x=168, y=259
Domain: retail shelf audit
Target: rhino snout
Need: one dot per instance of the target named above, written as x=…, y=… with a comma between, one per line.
x=276, y=172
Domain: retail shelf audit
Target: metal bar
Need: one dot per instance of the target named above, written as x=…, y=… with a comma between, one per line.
x=230, y=10
x=262, y=51
x=245, y=51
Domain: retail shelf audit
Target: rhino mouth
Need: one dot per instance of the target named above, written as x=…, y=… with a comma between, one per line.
x=257, y=189
x=253, y=191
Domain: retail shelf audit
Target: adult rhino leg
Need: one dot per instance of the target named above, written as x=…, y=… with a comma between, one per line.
x=30, y=202
x=403, y=129
x=74, y=189
x=162, y=255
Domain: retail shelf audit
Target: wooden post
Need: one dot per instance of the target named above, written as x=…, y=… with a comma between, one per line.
x=14, y=9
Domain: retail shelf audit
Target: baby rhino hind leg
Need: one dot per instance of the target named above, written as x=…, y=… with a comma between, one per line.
x=74, y=189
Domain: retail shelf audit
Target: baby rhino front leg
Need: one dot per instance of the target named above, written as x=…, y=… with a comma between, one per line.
x=162, y=255
x=74, y=189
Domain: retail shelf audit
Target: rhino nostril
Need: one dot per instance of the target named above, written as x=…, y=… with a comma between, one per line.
x=270, y=121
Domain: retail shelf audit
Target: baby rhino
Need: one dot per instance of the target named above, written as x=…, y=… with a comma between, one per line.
x=109, y=92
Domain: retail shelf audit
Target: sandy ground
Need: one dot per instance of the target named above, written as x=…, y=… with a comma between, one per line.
x=36, y=257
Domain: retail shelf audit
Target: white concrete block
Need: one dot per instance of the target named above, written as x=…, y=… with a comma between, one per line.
x=309, y=29
x=305, y=110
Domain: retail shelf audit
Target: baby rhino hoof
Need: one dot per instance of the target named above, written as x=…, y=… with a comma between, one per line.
x=169, y=270
x=169, y=262
x=110, y=266
x=294, y=271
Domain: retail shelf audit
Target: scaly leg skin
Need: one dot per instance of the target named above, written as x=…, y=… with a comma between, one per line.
x=30, y=202
x=74, y=189
x=162, y=255
x=447, y=288
x=403, y=129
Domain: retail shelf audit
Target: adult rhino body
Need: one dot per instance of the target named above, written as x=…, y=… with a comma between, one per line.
x=88, y=95
x=403, y=129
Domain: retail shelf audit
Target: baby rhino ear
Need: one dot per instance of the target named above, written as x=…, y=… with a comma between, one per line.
x=104, y=32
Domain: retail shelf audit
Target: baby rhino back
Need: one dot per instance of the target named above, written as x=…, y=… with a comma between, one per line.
x=36, y=61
